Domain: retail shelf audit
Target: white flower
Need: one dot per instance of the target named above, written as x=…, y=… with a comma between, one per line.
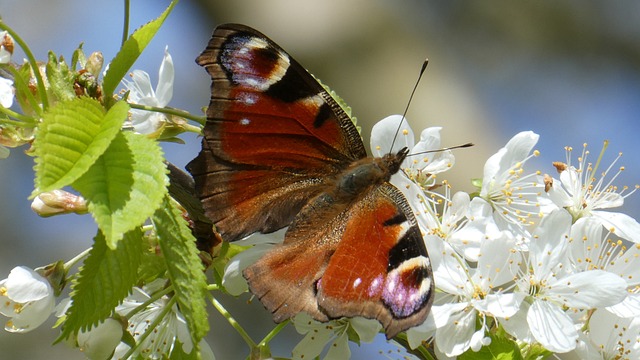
x=590, y=249
x=581, y=192
x=336, y=332
x=553, y=288
x=513, y=194
x=99, y=342
x=609, y=337
x=162, y=340
x=419, y=166
x=27, y=298
x=6, y=92
x=476, y=294
x=142, y=93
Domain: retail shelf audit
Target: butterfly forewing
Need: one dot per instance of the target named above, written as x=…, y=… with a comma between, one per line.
x=272, y=137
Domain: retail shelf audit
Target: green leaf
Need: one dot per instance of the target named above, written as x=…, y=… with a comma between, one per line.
x=72, y=136
x=537, y=351
x=153, y=266
x=130, y=51
x=501, y=348
x=60, y=78
x=184, y=267
x=125, y=185
x=178, y=353
x=104, y=281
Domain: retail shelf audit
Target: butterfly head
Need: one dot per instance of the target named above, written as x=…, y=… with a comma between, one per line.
x=394, y=161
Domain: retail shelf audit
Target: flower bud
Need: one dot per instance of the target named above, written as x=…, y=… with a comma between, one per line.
x=58, y=202
x=6, y=47
x=94, y=63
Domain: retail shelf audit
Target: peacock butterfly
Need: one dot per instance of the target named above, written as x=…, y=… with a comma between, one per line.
x=279, y=151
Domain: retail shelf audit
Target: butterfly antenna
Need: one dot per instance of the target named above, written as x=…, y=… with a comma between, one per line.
x=444, y=149
x=422, y=70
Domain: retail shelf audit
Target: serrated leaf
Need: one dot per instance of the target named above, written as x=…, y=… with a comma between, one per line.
x=105, y=279
x=72, y=136
x=130, y=51
x=60, y=78
x=125, y=185
x=184, y=267
x=153, y=266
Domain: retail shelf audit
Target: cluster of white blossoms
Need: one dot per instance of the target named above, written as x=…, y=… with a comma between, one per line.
x=533, y=254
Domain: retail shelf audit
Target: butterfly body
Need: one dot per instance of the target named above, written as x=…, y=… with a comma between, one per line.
x=279, y=151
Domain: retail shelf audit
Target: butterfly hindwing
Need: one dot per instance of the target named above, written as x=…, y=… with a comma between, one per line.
x=380, y=268
x=273, y=134
x=367, y=260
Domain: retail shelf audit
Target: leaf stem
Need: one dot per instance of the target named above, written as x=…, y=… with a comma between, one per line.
x=233, y=322
x=171, y=111
x=32, y=62
x=69, y=264
x=25, y=121
x=276, y=330
x=125, y=26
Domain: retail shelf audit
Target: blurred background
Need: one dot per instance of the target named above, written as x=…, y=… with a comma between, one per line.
x=570, y=71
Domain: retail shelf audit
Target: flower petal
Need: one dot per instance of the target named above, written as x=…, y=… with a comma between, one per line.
x=232, y=280
x=100, y=341
x=500, y=305
x=164, y=90
x=24, y=285
x=629, y=307
x=426, y=330
x=32, y=315
x=454, y=337
x=312, y=344
x=621, y=224
x=6, y=92
x=552, y=327
x=589, y=289
x=517, y=326
x=339, y=348
x=367, y=329
x=547, y=248
x=383, y=135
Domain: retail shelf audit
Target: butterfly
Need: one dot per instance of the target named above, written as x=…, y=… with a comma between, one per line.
x=278, y=150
